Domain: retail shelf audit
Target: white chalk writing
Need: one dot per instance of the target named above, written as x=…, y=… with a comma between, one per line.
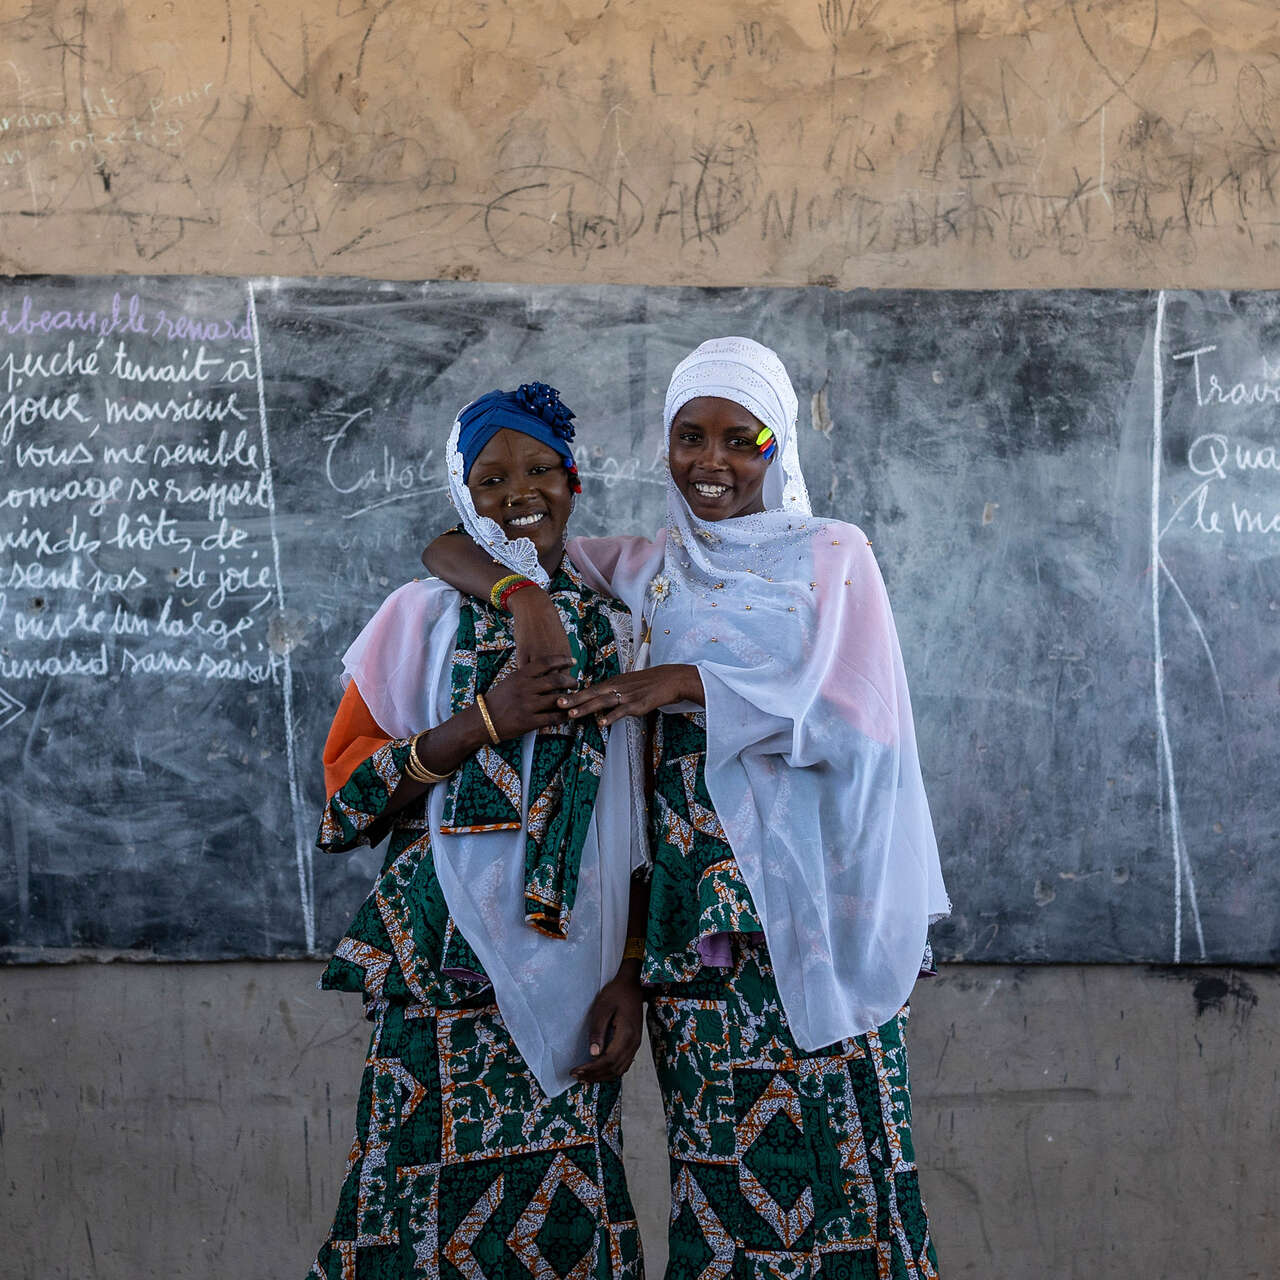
x=1235, y=467
x=134, y=495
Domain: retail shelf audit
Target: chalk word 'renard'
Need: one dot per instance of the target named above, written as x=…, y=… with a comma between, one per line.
x=70, y=662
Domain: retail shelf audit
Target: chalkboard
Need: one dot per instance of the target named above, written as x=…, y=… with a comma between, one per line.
x=208, y=485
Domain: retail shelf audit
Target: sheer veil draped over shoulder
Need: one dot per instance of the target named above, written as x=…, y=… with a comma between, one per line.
x=401, y=663
x=811, y=752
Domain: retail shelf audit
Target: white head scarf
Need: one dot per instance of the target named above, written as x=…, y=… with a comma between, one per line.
x=749, y=374
x=811, y=755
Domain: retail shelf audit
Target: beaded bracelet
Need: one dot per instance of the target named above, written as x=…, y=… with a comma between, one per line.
x=511, y=590
x=503, y=586
x=634, y=949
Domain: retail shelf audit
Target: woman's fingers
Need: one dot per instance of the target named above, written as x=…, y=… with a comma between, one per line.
x=553, y=668
x=611, y=1064
x=614, y=1059
x=613, y=1032
x=598, y=699
x=607, y=704
x=577, y=697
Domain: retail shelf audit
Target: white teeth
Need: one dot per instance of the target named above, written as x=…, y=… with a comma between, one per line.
x=521, y=521
x=711, y=490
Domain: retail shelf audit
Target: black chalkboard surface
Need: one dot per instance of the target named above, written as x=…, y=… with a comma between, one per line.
x=208, y=486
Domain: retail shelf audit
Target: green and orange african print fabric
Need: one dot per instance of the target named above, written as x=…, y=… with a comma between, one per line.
x=402, y=943
x=568, y=759
x=784, y=1163
x=696, y=890
x=462, y=1168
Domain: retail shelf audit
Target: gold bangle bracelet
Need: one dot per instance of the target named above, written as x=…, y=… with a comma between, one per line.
x=488, y=720
x=634, y=949
x=418, y=771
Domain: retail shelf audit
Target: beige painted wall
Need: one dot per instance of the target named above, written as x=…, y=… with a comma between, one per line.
x=976, y=143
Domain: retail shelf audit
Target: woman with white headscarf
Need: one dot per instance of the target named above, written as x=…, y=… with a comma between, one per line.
x=795, y=868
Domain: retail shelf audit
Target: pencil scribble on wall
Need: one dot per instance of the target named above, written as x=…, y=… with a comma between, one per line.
x=983, y=142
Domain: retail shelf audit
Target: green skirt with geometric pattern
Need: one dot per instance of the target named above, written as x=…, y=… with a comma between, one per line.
x=463, y=1168
x=784, y=1162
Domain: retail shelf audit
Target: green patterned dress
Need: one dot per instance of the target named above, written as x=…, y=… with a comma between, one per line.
x=461, y=1165
x=784, y=1162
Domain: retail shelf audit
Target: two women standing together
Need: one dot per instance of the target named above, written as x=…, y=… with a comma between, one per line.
x=519, y=923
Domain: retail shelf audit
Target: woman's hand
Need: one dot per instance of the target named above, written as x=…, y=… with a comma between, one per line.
x=614, y=1026
x=527, y=699
x=635, y=693
x=538, y=629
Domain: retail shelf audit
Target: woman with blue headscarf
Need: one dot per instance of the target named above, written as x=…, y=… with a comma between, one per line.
x=795, y=870
x=492, y=952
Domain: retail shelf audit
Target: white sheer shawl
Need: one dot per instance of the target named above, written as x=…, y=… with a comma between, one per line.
x=401, y=663
x=811, y=753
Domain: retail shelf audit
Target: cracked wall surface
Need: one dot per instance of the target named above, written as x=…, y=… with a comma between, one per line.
x=976, y=143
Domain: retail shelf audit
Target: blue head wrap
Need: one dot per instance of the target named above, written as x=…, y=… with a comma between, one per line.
x=533, y=408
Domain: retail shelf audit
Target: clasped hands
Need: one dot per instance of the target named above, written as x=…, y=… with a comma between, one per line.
x=542, y=691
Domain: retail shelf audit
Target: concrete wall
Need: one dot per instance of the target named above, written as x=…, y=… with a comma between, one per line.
x=168, y=1122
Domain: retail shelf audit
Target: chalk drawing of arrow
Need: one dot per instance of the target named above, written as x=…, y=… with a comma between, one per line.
x=10, y=708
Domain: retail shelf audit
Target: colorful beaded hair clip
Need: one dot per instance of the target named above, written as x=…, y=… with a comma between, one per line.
x=767, y=445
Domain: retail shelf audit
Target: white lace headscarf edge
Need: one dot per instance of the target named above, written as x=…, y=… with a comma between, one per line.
x=518, y=554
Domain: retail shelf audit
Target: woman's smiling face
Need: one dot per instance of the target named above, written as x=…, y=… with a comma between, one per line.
x=522, y=484
x=715, y=460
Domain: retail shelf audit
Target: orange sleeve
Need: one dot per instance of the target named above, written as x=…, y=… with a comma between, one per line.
x=353, y=737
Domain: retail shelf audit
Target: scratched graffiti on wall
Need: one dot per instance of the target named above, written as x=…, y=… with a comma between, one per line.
x=846, y=142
